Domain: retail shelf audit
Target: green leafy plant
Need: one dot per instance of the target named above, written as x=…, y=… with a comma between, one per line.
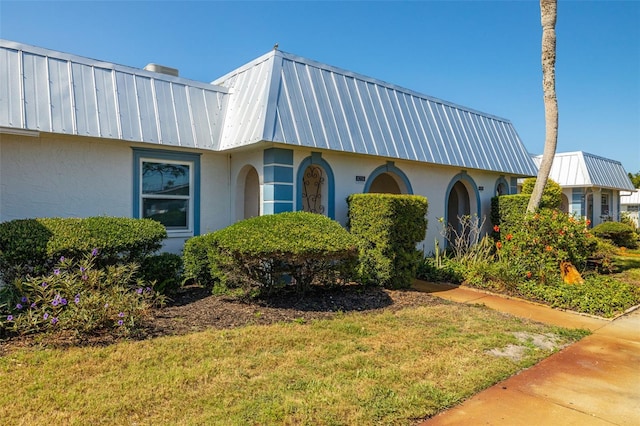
x=551, y=195
x=620, y=234
x=272, y=251
x=163, y=271
x=388, y=228
x=78, y=298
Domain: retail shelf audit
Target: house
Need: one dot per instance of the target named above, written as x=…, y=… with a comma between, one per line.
x=590, y=184
x=81, y=137
x=630, y=203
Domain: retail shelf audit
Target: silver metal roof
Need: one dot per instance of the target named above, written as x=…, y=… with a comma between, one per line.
x=284, y=98
x=580, y=169
x=630, y=197
x=50, y=91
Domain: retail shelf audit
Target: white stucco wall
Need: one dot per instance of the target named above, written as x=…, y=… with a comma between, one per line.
x=65, y=176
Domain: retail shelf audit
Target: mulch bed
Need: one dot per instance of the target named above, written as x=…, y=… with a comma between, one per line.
x=195, y=309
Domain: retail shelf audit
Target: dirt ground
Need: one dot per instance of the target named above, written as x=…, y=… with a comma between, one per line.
x=196, y=309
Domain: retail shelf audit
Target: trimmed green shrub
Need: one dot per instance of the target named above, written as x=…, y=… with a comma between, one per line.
x=620, y=234
x=78, y=298
x=551, y=194
x=163, y=271
x=32, y=246
x=507, y=211
x=388, y=227
x=195, y=257
x=263, y=253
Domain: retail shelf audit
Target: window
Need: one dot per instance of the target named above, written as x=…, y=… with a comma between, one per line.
x=166, y=189
x=604, y=209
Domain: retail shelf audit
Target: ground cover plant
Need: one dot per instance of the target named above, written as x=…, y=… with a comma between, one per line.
x=525, y=256
x=386, y=367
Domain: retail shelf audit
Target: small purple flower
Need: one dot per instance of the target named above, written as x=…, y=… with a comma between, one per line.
x=24, y=299
x=56, y=271
x=33, y=305
x=46, y=315
x=94, y=252
x=61, y=258
x=63, y=301
x=139, y=291
x=55, y=302
x=120, y=322
x=44, y=284
x=106, y=305
x=77, y=299
x=84, y=277
x=9, y=317
x=121, y=314
x=54, y=320
x=82, y=269
x=147, y=289
x=19, y=306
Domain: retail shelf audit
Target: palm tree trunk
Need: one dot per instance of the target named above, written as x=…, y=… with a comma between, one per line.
x=548, y=13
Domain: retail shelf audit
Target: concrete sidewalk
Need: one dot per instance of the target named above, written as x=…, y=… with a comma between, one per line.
x=595, y=381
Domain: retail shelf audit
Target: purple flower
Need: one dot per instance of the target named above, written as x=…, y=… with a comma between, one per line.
x=54, y=320
x=55, y=302
x=56, y=271
x=84, y=277
x=46, y=315
x=121, y=314
x=61, y=258
x=9, y=317
x=82, y=269
x=106, y=305
x=120, y=322
x=24, y=299
x=63, y=301
x=139, y=291
x=44, y=284
x=77, y=299
x=94, y=252
x=19, y=306
x=33, y=305
x=147, y=289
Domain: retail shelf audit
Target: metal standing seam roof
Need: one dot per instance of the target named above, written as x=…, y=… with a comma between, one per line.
x=632, y=198
x=581, y=169
x=49, y=91
x=284, y=98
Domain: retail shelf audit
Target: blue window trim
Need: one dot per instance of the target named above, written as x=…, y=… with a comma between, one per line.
x=140, y=153
x=501, y=180
x=316, y=159
x=390, y=167
x=462, y=176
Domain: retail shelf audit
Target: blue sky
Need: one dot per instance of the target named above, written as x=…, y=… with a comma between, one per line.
x=481, y=54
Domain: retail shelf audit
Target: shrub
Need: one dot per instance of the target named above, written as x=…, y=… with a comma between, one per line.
x=32, y=246
x=508, y=211
x=620, y=234
x=542, y=241
x=388, y=228
x=195, y=257
x=551, y=194
x=446, y=270
x=262, y=252
x=78, y=298
x=163, y=271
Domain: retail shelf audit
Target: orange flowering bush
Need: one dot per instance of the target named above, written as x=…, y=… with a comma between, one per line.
x=542, y=240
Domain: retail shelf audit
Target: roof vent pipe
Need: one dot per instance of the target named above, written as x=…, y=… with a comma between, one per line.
x=162, y=69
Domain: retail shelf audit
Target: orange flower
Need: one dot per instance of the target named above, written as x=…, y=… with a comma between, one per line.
x=529, y=274
x=499, y=245
x=548, y=248
x=496, y=228
x=509, y=237
x=561, y=232
x=588, y=222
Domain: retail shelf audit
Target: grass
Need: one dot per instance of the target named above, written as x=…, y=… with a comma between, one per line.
x=385, y=368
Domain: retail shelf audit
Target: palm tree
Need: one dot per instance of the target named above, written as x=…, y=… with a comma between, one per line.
x=548, y=12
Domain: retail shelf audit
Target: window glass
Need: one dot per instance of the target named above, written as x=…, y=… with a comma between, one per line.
x=166, y=190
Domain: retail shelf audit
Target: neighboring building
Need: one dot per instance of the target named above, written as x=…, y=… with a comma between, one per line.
x=590, y=184
x=630, y=203
x=80, y=137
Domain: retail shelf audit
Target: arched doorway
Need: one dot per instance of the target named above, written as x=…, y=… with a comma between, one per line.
x=385, y=184
x=564, y=204
x=248, y=194
x=314, y=189
x=458, y=205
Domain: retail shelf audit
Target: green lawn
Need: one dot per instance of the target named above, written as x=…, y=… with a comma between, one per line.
x=385, y=368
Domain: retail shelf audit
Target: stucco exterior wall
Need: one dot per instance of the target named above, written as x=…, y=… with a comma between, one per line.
x=66, y=176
